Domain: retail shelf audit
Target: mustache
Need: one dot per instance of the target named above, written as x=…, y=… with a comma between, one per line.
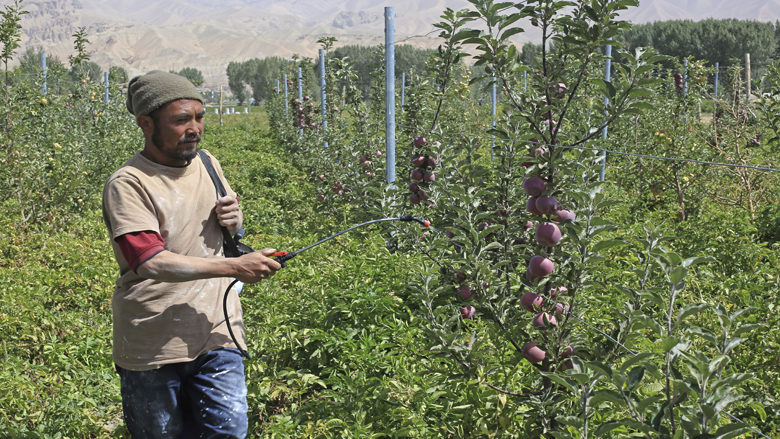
x=194, y=138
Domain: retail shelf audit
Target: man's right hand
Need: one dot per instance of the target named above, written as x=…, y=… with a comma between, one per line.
x=256, y=266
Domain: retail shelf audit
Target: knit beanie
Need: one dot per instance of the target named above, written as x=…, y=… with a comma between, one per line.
x=151, y=91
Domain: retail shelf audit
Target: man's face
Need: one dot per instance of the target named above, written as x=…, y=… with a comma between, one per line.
x=175, y=131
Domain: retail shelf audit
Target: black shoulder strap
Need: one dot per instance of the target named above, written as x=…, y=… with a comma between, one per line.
x=228, y=241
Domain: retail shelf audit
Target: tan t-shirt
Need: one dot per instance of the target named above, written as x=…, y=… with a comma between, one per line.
x=157, y=323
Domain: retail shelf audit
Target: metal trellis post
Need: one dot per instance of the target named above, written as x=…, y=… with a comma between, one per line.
x=607, y=71
x=286, y=104
x=390, y=94
x=43, y=67
x=685, y=79
x=403, y=89
x=300, y=91
x=493, y=113
x=105, y=79
x=322, y=95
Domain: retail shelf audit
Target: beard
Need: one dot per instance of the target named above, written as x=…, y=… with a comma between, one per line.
x=175, y=153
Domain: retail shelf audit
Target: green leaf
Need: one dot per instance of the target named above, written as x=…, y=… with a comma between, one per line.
x=634, y=360
x=732, y=343
x=608, y=243
x=690, y=262
x=678, y=275
x=690, y=310
x=635, y=377
x=606, y=396
x=600, y=368
x=729, y=431
x=563, y=381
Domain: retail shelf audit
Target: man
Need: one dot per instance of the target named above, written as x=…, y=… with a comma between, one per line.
x=181, y=375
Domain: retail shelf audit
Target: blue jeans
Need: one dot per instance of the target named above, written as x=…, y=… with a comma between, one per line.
x=205, y=398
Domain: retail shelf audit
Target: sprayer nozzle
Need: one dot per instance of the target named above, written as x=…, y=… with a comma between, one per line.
x=427, y=223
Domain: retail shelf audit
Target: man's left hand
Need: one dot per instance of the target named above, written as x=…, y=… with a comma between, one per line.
x=229, y=214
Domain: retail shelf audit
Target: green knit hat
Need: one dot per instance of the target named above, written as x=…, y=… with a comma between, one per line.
x=151, y=91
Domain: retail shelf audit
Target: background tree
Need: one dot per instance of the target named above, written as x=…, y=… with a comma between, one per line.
x=86, y=69
x=194, y=75
x=711, y=40
x=117, y=75
x=236, y=72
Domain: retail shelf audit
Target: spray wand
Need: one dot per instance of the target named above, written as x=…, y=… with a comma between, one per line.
x=283, y=256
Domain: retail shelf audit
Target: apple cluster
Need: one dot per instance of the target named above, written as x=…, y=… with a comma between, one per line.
x=423, y=174
x=547, y=234
x=544, y=317
x=368, y=164
x=540, y=203
x=303, y=113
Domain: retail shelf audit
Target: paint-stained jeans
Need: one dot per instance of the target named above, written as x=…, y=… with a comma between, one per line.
x=205, y=398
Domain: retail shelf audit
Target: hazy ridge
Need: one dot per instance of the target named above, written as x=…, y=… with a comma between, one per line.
x=142, y=35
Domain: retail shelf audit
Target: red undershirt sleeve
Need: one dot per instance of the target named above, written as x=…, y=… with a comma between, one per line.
x=139, y=247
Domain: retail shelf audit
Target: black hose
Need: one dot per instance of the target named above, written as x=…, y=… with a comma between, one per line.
x=227, y=320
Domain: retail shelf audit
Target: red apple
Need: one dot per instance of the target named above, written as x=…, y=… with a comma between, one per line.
x=532, y=353
x=538, y=151
x=557, y=290
x=547, y=234
x=534, y=186
x=362, y=159
x=531, y=206
x=423, y=195
x=414, y=198
x=418, y=161
x=541, y=320
x=460, y=277
x=417, y=175
x=564, y=215
x=419, y=141
x=429, y=176
x=468, y=312
x=561, y=308
x=539, y=266
x=531, y=301
x=431, y=162
x=547, y=205
x=568, y=351
x=465, y=292
x=413, y=187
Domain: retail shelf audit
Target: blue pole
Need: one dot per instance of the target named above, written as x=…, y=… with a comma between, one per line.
x=403, y=89
x=607, y=75
x=300, y=91
x=277, y=89
x=685, y=79
x=286, y=111
x=717, y=70
x=525, y=80
x=105, y=77
x=322, y=94
x=43, y=67
x=390, y=94
x=493, y=113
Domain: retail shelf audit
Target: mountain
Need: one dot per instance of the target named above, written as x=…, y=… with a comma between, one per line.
x=141, y=35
